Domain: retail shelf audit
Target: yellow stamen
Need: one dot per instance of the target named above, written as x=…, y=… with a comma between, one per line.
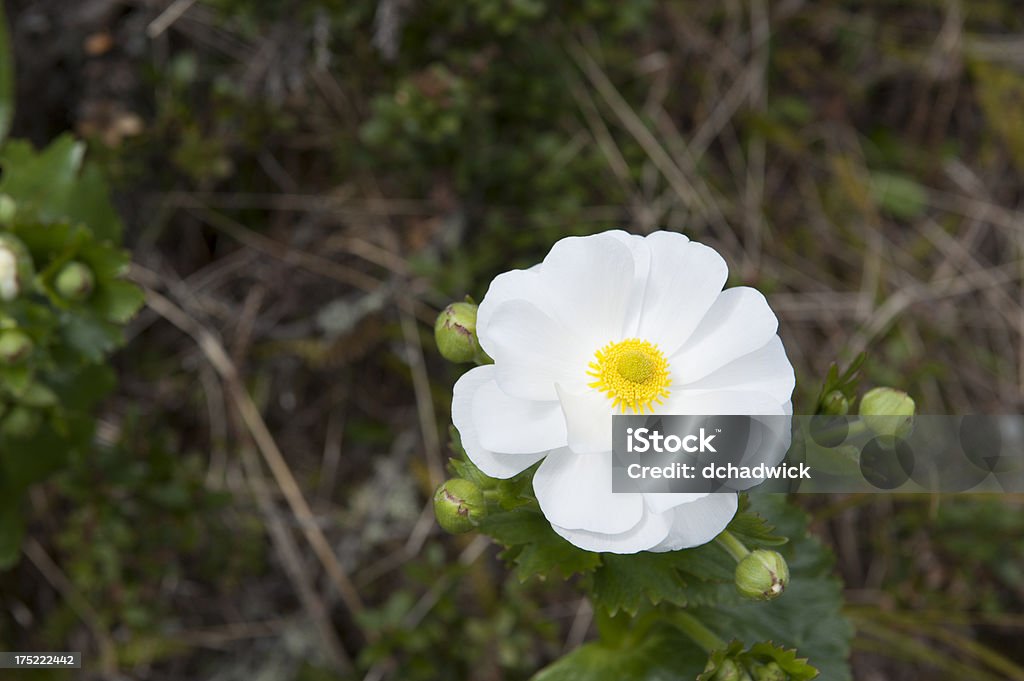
x=632, y=373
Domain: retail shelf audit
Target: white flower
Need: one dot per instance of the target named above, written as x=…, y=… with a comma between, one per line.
x=9, y=284
x=609, y=323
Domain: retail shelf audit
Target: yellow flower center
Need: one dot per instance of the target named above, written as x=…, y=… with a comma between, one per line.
x=632, y=373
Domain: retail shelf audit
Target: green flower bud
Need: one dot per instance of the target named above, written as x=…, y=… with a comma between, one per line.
x=455, y=333
x=15, y=346
x=730, y=670
x=762, y=575
x=21, y=422
x=459, y=505
x=888, y=412
x=7, y=210
x=75, y=281
x=835, y=404
x=770, y=672
x=16, y=268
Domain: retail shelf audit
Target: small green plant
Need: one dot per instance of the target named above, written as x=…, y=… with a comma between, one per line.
x=63, y=304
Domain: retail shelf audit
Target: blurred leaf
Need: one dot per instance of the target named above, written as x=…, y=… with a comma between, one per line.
x=898, y=195
x=54, y=185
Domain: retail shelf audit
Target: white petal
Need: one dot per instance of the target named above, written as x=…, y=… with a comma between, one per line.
x=575, y=493
x=648, y=533
x=587, y=283
x=641, y=268
x=532, y=352
x=588, y=420
x=664, y=501
x=494, y=464
x=698, y=522
x=684, y=280
x=513, y=285
x=721, y=403
x=738, y=323
x=766, y=370
x=511, y=424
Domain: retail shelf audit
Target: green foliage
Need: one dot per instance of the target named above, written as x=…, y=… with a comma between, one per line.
x=701, y=575
x=657, y=653
x=757, y=660
x=52, y=379
x=142, y=482
x=808, y=617
x=844, y=383
x=510, y=633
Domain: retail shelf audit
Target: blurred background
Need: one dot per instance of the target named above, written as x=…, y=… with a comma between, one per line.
x=306, y=184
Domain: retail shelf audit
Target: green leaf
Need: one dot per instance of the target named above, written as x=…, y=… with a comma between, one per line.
x=534, y=547
x=846, y=383
x=759, y=655
x=635, y=582
x=808, y=615
x=6, y=78
x=898, y=195
x=55, y=185
x=698, y=576
x=753, y=529
x=796, y=667
x=659, y=654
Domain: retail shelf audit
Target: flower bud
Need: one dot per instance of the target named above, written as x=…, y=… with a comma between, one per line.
x=888, y=412
x=730, y=670
x=835, y=404
x=762, y=575
x=770, y=672
x=455, y=333
x=75, y=281
x=7, y=210
x=459, y=505
x=15, y=346
x=21, y=422
x=15, y=267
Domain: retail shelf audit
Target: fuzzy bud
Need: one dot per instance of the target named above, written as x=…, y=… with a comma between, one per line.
x=730, y=670
x=15, y=346
x=762, y=575
x=770, y=672
x=455, y=333
x=8, y=208
x=75, y=281
x=888, y=412
x=459, y=505
x=835, y=404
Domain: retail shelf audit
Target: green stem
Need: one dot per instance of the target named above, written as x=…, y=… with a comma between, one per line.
x=695, y=629
x=728, y=541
